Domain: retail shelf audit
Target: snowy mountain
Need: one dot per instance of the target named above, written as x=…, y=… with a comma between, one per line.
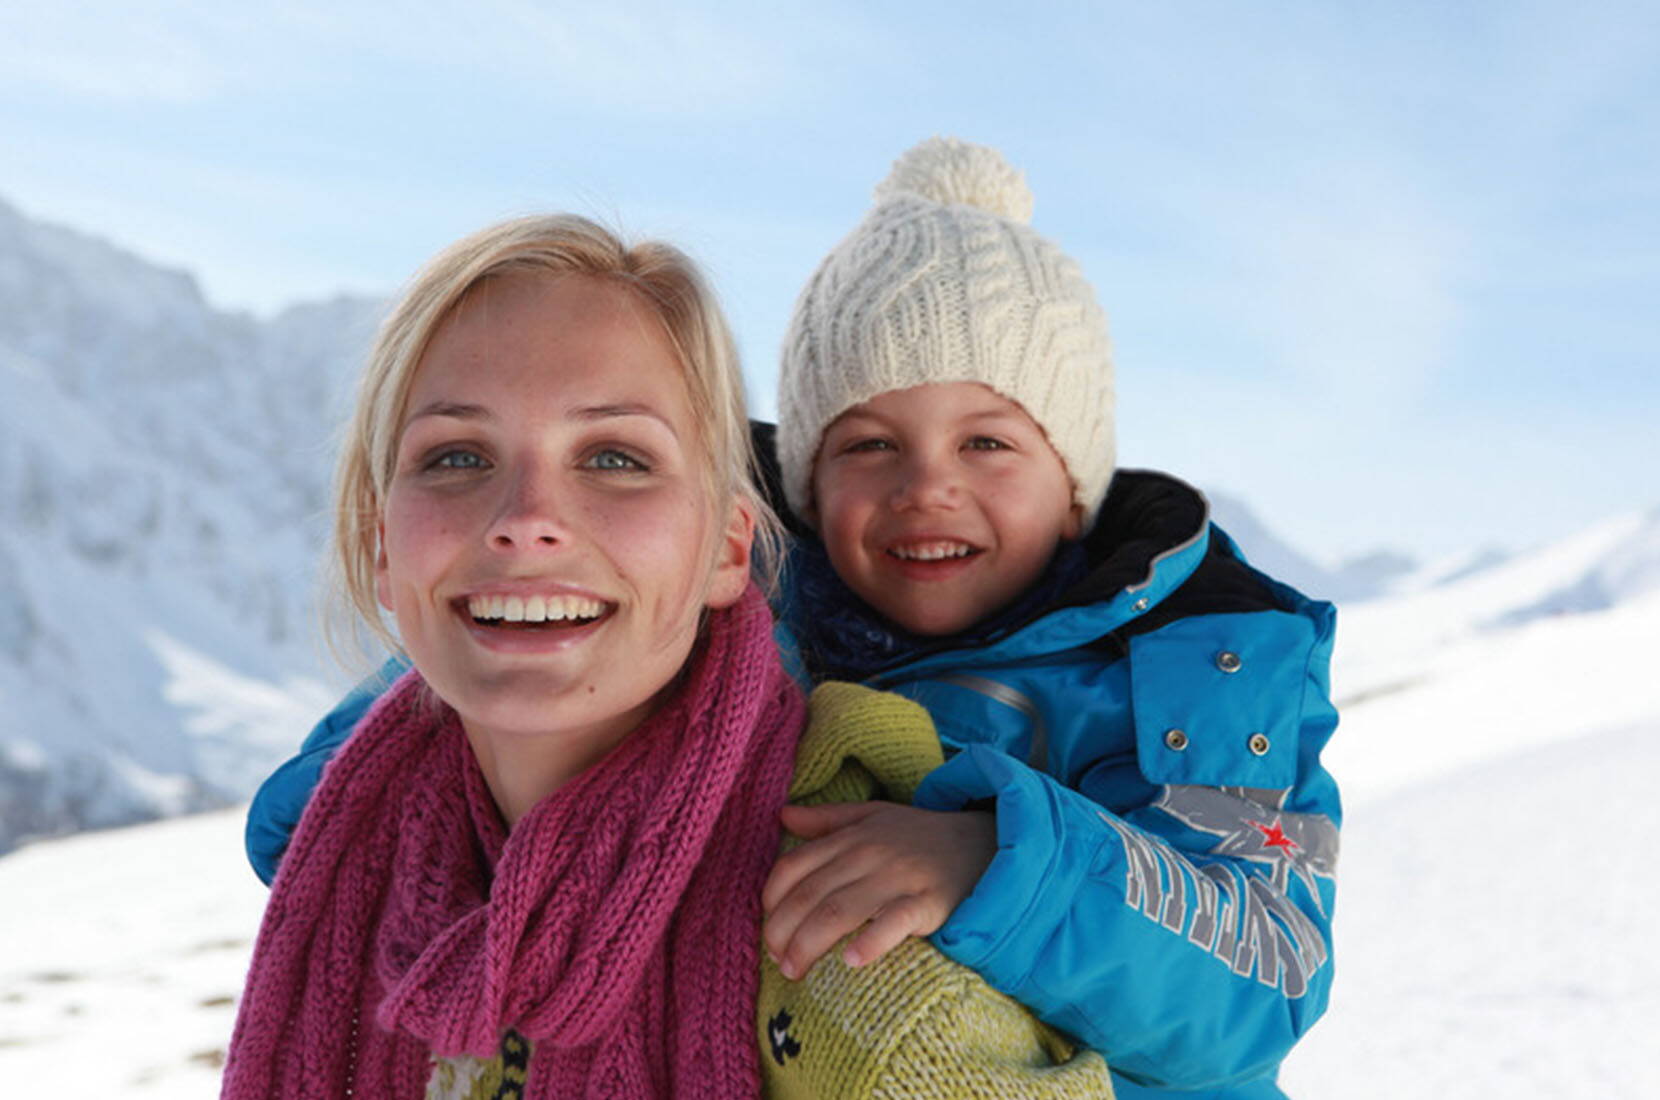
x=1492, y=926
x=1361, y=578
x=1521, y=653
x=163, y=483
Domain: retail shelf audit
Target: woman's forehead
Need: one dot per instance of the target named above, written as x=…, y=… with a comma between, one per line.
x=563, y=338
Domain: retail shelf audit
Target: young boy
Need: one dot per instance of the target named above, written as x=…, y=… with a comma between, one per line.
x=1134, y=838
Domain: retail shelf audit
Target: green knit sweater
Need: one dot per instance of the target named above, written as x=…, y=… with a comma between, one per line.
x=913, y=1023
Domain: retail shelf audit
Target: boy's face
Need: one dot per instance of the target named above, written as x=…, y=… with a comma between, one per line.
x=940, y=504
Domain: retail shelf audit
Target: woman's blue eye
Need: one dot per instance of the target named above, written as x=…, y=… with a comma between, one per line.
x=459, y=460
x=611, y=459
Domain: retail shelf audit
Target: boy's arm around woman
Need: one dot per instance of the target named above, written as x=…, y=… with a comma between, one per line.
x=1165, y=878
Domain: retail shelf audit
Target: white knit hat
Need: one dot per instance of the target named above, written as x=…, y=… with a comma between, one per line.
x=944, y=281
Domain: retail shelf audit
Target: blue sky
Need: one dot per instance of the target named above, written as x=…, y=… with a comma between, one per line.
x=1387, y=272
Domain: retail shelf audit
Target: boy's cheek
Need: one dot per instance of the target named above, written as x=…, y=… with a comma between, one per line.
x=834, y=516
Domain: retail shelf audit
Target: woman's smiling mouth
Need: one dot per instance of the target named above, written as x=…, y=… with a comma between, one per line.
x=535, y=612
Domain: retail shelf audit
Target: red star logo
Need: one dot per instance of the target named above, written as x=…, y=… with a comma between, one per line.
x=1274, y=837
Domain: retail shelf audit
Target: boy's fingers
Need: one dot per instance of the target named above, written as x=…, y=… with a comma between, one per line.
x=811, y=822
x=874, y=871
x=837, y=915
x=789, y=869
x=818, y=826
x=897, y=922
x=799, y=883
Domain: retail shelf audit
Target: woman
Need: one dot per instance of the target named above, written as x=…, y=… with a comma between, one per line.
x=539, y=862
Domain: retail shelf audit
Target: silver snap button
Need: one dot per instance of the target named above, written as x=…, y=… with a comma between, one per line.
x=1175, y=739
x=1141, y=604
x=1228, y=661
x=1258, y=744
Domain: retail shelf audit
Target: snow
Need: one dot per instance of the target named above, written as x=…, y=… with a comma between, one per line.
x=122, y=965
x=238, y=724
x=1492, y=925
x=1358, y=579
x=163, y=492
x=1493, y=933
x=1497, y=766
x=1488, y=694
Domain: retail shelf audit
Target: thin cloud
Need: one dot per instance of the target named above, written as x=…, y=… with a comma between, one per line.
x=79, y=51
x=1362, y=289
x=639, y=59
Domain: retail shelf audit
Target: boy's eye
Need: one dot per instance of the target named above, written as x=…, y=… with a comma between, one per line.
x=986, y=443
x=869, y=444
x=612, y=459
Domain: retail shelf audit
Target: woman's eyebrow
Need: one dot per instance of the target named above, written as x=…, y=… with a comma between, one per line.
x=615, y=411
x=453, y=409
x=462, y=411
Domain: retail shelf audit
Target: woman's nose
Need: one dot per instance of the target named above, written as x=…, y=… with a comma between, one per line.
x=531, y=513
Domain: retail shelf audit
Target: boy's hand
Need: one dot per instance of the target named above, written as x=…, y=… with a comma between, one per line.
x=893, y=870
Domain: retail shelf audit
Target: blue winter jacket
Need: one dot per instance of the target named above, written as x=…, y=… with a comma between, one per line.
x=1150, y=743
x=1167, y=838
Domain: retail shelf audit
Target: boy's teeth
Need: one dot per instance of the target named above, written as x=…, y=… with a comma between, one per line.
x=933, y=551
x=534, y=609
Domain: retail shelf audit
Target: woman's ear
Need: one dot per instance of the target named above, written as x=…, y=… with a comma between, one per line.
x=383, y=582
x=731, y=573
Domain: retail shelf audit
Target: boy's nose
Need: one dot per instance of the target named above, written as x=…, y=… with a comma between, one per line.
x=928, y=483
x=530, y=514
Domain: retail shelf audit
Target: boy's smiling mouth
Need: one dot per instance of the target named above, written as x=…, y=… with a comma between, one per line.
x=931, y=550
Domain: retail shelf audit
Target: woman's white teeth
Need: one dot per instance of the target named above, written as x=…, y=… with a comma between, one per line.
x=932, y=551
x=534, y=609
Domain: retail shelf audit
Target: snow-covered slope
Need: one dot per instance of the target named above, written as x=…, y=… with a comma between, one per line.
x=163, y=471
x=1362, y=578
x=1553, y=643
x=1492, y=933
x=124, y=956
x=1492, y=925
x=1497, y=753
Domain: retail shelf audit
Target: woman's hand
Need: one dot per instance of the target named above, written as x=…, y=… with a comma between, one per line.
x=893, y=871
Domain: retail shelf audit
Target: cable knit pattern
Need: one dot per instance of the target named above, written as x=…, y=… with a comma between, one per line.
x=944, y=281
x=615, y=927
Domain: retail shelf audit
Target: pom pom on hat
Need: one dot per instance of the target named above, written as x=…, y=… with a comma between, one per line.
x=946, y=170
x=944, y=281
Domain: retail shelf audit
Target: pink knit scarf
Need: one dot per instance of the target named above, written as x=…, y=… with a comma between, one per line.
x=616, y=926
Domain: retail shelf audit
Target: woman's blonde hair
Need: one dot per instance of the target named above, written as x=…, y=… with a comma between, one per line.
x=661, y=277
